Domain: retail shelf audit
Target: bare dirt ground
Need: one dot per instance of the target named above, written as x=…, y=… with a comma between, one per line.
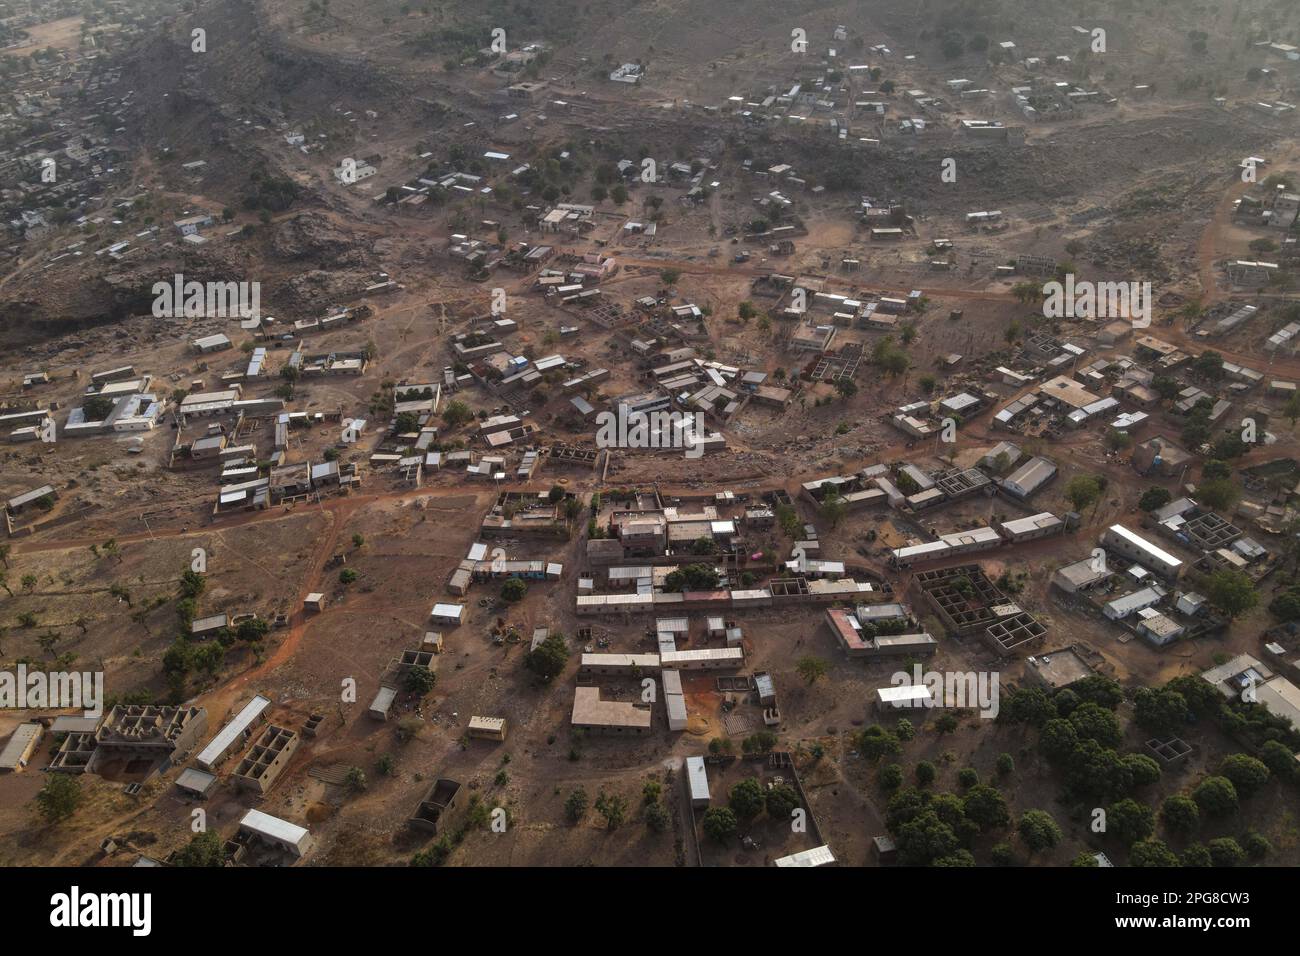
x=76, y=319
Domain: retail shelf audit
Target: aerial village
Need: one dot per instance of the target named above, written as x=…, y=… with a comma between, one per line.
x=797, y=455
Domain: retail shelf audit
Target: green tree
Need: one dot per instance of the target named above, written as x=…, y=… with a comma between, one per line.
x=746, y=799
x=575, y=805
x=719, y=824
x=1231, y=591
x=550, y=657
x=1218, y=493
x=1248, y=775
x=693, y=577
x=419, y=680
x=781, y=802
x=1092, y=722
x=436, y=854
x=1225, y=851
x=59, y=798
x=1149, y=853
x=1027, y=293
x=1197, y=855
x=811, y=669
x=1154, y=498
x=1256, y=845
x=253, y=629
x=875, y=742
x=986, y=806
x=833, y=508
x=1130, y=821
x=1082, y=491
x=1278, y=758
x=924, y=839
x=1216, y=796
x=613, y=807
x=514, y=590
x=1163, y=712
x=1038, y=830
x=456, y=413
x=1142, y=768
x=205, y=849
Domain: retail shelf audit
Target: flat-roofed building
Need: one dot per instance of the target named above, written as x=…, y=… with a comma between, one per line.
x=209, y=626
x=614, y=717
x=1159, y=629
x=1057, y=669
x=1035, y=526
x=382, y=703
x=212, y=343
x=620, y=664
x=449, y=615
x=279, y=833
x=705, y=658
x=1068, y=392
x=1126, y=605
x=234, y=733
x=817, y=856
x=675, y=705
x=196, y=782
x=857, y=641
x=1134, y=547
x=22, y=744
x=19, y=503
x=697, y=781
x=1275, y=693
x=1081, y=576
x=903, y=697
x=487, y=728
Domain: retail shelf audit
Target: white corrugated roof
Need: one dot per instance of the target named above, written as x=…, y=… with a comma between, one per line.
x=273, y=828
x=215, y=750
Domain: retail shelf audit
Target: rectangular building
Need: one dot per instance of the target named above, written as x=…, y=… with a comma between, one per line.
x=280, y=833
x=592, y=714
x=487, y=728
x=234, y=733
x=697, y=781
x=1134, y=547
x=266, y=759
x=21, y=747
